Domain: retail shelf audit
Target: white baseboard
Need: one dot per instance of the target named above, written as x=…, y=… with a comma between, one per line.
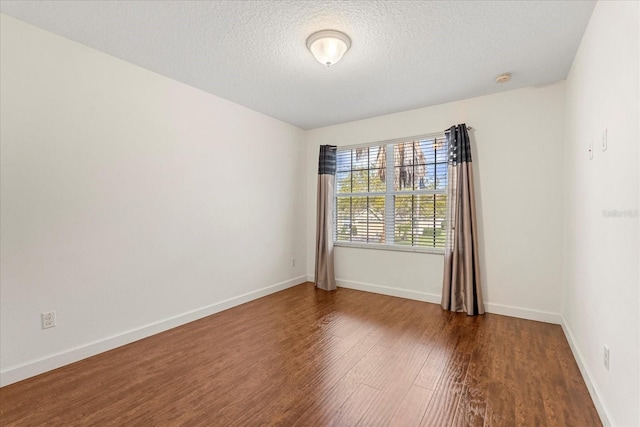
x=523, y=313
x=504, y=310
x=387, y=290
x=36, y=367
x=595, y=393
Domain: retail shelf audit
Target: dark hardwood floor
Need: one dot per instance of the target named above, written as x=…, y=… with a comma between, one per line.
x=304, y=357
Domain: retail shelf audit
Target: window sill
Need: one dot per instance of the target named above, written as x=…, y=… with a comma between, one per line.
x=395, y=248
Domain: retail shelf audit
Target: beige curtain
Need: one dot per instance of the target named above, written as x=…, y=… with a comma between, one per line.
x=461, y=287
x=325, y=276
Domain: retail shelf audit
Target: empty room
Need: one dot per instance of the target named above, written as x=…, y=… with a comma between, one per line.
x=319, y=213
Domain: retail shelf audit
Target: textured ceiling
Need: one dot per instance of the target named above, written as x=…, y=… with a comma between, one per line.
x=404, y=54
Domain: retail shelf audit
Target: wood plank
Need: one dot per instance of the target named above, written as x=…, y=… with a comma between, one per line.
x=355, y=407
x=443, y=405
x=472, y=407
x=401, y=366
x=442, y=349
x=529, y=399
x=501, y=387
x=384, y=406
x=325, y=405
x=412, y=408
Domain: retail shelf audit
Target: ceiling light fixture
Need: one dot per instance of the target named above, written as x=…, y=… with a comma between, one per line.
x=328, y=46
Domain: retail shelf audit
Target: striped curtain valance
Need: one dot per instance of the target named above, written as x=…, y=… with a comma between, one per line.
x=460, y=151
x=327, y=160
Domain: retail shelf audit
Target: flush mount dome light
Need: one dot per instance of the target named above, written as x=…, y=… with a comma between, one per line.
x=328, y=46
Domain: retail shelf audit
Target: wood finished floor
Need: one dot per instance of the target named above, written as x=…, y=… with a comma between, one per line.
x=304, y=357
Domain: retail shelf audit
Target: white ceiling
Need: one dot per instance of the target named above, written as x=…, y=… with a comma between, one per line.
x=405, y=54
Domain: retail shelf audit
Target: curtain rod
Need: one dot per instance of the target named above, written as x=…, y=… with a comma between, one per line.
x=468, y=128
x=397, y=140
x=391, y=141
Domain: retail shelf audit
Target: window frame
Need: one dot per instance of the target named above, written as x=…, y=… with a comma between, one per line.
x=389, y=196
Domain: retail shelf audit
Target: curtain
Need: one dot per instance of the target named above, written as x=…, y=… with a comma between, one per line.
x=325, y=276
x=461, y=290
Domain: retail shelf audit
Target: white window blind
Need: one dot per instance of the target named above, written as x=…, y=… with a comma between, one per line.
x=395, y=201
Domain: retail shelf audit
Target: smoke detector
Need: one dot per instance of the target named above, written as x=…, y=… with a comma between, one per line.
x=503, y=78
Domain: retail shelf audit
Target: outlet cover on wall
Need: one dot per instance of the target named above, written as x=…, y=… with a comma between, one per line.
x=606, y=357
x=48, y=319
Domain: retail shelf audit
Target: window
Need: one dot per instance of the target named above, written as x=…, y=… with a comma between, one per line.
x=393, y=202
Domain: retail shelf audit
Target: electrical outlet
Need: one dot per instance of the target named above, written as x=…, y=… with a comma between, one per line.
x=604, y=140
x=293, y=262
x=606, y=357
x=48, y=319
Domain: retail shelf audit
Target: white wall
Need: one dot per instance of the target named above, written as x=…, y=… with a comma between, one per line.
x=517, y=148
x=600, y=304
x=131, y=202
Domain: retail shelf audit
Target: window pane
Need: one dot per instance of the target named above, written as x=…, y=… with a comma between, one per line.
x=430, y=177
x=441, y=209
x=441, y=219
x=358, y=223
x=403, y=207
x=358, y=207
x=442, y=151
x=360, y=181
x=429, y=221
x=343, y=160
x=421, y=151
x=343, y=219
x=343, y=233
x=420, y=160
x=376, y=180
x=360, y=158
x=425, y=228
x=343, y=182
x=379, y=157
x=441, y=176
x=404, y=178
x=375, y=231
x=420, y=220
x=401, y=158
x=419, y=177
x=429, y=152
x=410, y=177
x=360, y=219
x=409, y=165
